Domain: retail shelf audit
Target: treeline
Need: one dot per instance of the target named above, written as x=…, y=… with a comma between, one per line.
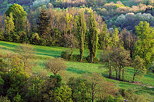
x=82, y=29
x=114, y=12
x=18, y=83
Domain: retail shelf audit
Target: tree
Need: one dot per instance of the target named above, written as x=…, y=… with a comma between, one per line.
x=81, y=30
x=106, y=57
x=120, y=59
x=139, y=68
x=115, y=38
x=33, y=87
x=55, y=65
x=9, y=27
x=93, y=37
x=19, y=15
x=15, y=78
x=144, y=45
x=99, y=88
x=26, y=53
x=43, y=24
x=4, y=99
x=49, y=86
x=104, y=38
x=80, y=89
x=129, y=40
x=1, y=28
x=61, y=94
x=35, y=39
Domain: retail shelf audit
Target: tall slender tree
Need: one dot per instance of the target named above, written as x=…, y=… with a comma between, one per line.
x=9, y=27
x=43, y=24
x=93, y=36
x=104, y=38
x=115, y=38
x=81, y=30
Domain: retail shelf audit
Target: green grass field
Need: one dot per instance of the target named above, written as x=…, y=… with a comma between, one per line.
x=77, y=69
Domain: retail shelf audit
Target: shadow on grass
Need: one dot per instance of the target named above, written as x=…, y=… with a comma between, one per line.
x=8, y=45
x=78, y=71
x=4, y=48
x=48, y=53
x=146, y=90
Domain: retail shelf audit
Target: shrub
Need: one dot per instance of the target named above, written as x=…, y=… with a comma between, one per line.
x=75, y=58
x=66, y=54
x=55, y=65
x=4, y=99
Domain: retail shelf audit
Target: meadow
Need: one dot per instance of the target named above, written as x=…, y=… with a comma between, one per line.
x=77, y=69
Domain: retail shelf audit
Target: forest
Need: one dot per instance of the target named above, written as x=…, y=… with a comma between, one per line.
x=76, y=50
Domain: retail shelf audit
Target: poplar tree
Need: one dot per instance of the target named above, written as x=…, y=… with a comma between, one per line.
x=115, y=38
x=93, y=36
x=104, y=38
x=9, y=27
x=43, y=24
x=81, y=30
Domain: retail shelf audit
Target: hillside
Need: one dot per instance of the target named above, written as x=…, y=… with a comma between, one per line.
x=76, y=69
x=77, y=51
x=27, y=4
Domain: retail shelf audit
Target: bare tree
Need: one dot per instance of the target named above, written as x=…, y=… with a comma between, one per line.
x=55, y=65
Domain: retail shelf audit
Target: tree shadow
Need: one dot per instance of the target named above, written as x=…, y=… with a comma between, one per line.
x=78, y=71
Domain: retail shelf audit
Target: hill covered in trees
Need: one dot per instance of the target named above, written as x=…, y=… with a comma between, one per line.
x=107, y=48
x=114, y=12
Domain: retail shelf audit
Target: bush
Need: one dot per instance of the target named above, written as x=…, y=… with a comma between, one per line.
x=66, y=54
x=4, y=99
x=75, y=58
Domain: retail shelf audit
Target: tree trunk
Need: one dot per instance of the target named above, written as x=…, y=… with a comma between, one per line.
x=91, y=58
x=134, y=77
x=116, y=74
x=110, y=71
x=81, y=54
x=123, y=72
x=119, y=76
x=93, y=93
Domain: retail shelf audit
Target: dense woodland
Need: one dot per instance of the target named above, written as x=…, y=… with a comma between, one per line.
x=123, y=31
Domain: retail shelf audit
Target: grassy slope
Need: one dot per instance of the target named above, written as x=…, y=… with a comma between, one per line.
x=76, y=69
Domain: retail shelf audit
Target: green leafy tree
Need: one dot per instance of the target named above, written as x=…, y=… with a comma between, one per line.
x=9, y=27
x=139, y=68
x=115, y=38
x=81, y=30
x=43, y=24
x=4, y=99
x=15, y=78
x=99, y=88
x=17, y=98
x=106, y=57
x=33, y=88
x=93, y=36
x=26, y=53
x=19, y=15
x=104, y=38
x=120, y=60
x=144, y=46
x=61, y=94
x=49, y=85
x=128, y=40
x=80, y=89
